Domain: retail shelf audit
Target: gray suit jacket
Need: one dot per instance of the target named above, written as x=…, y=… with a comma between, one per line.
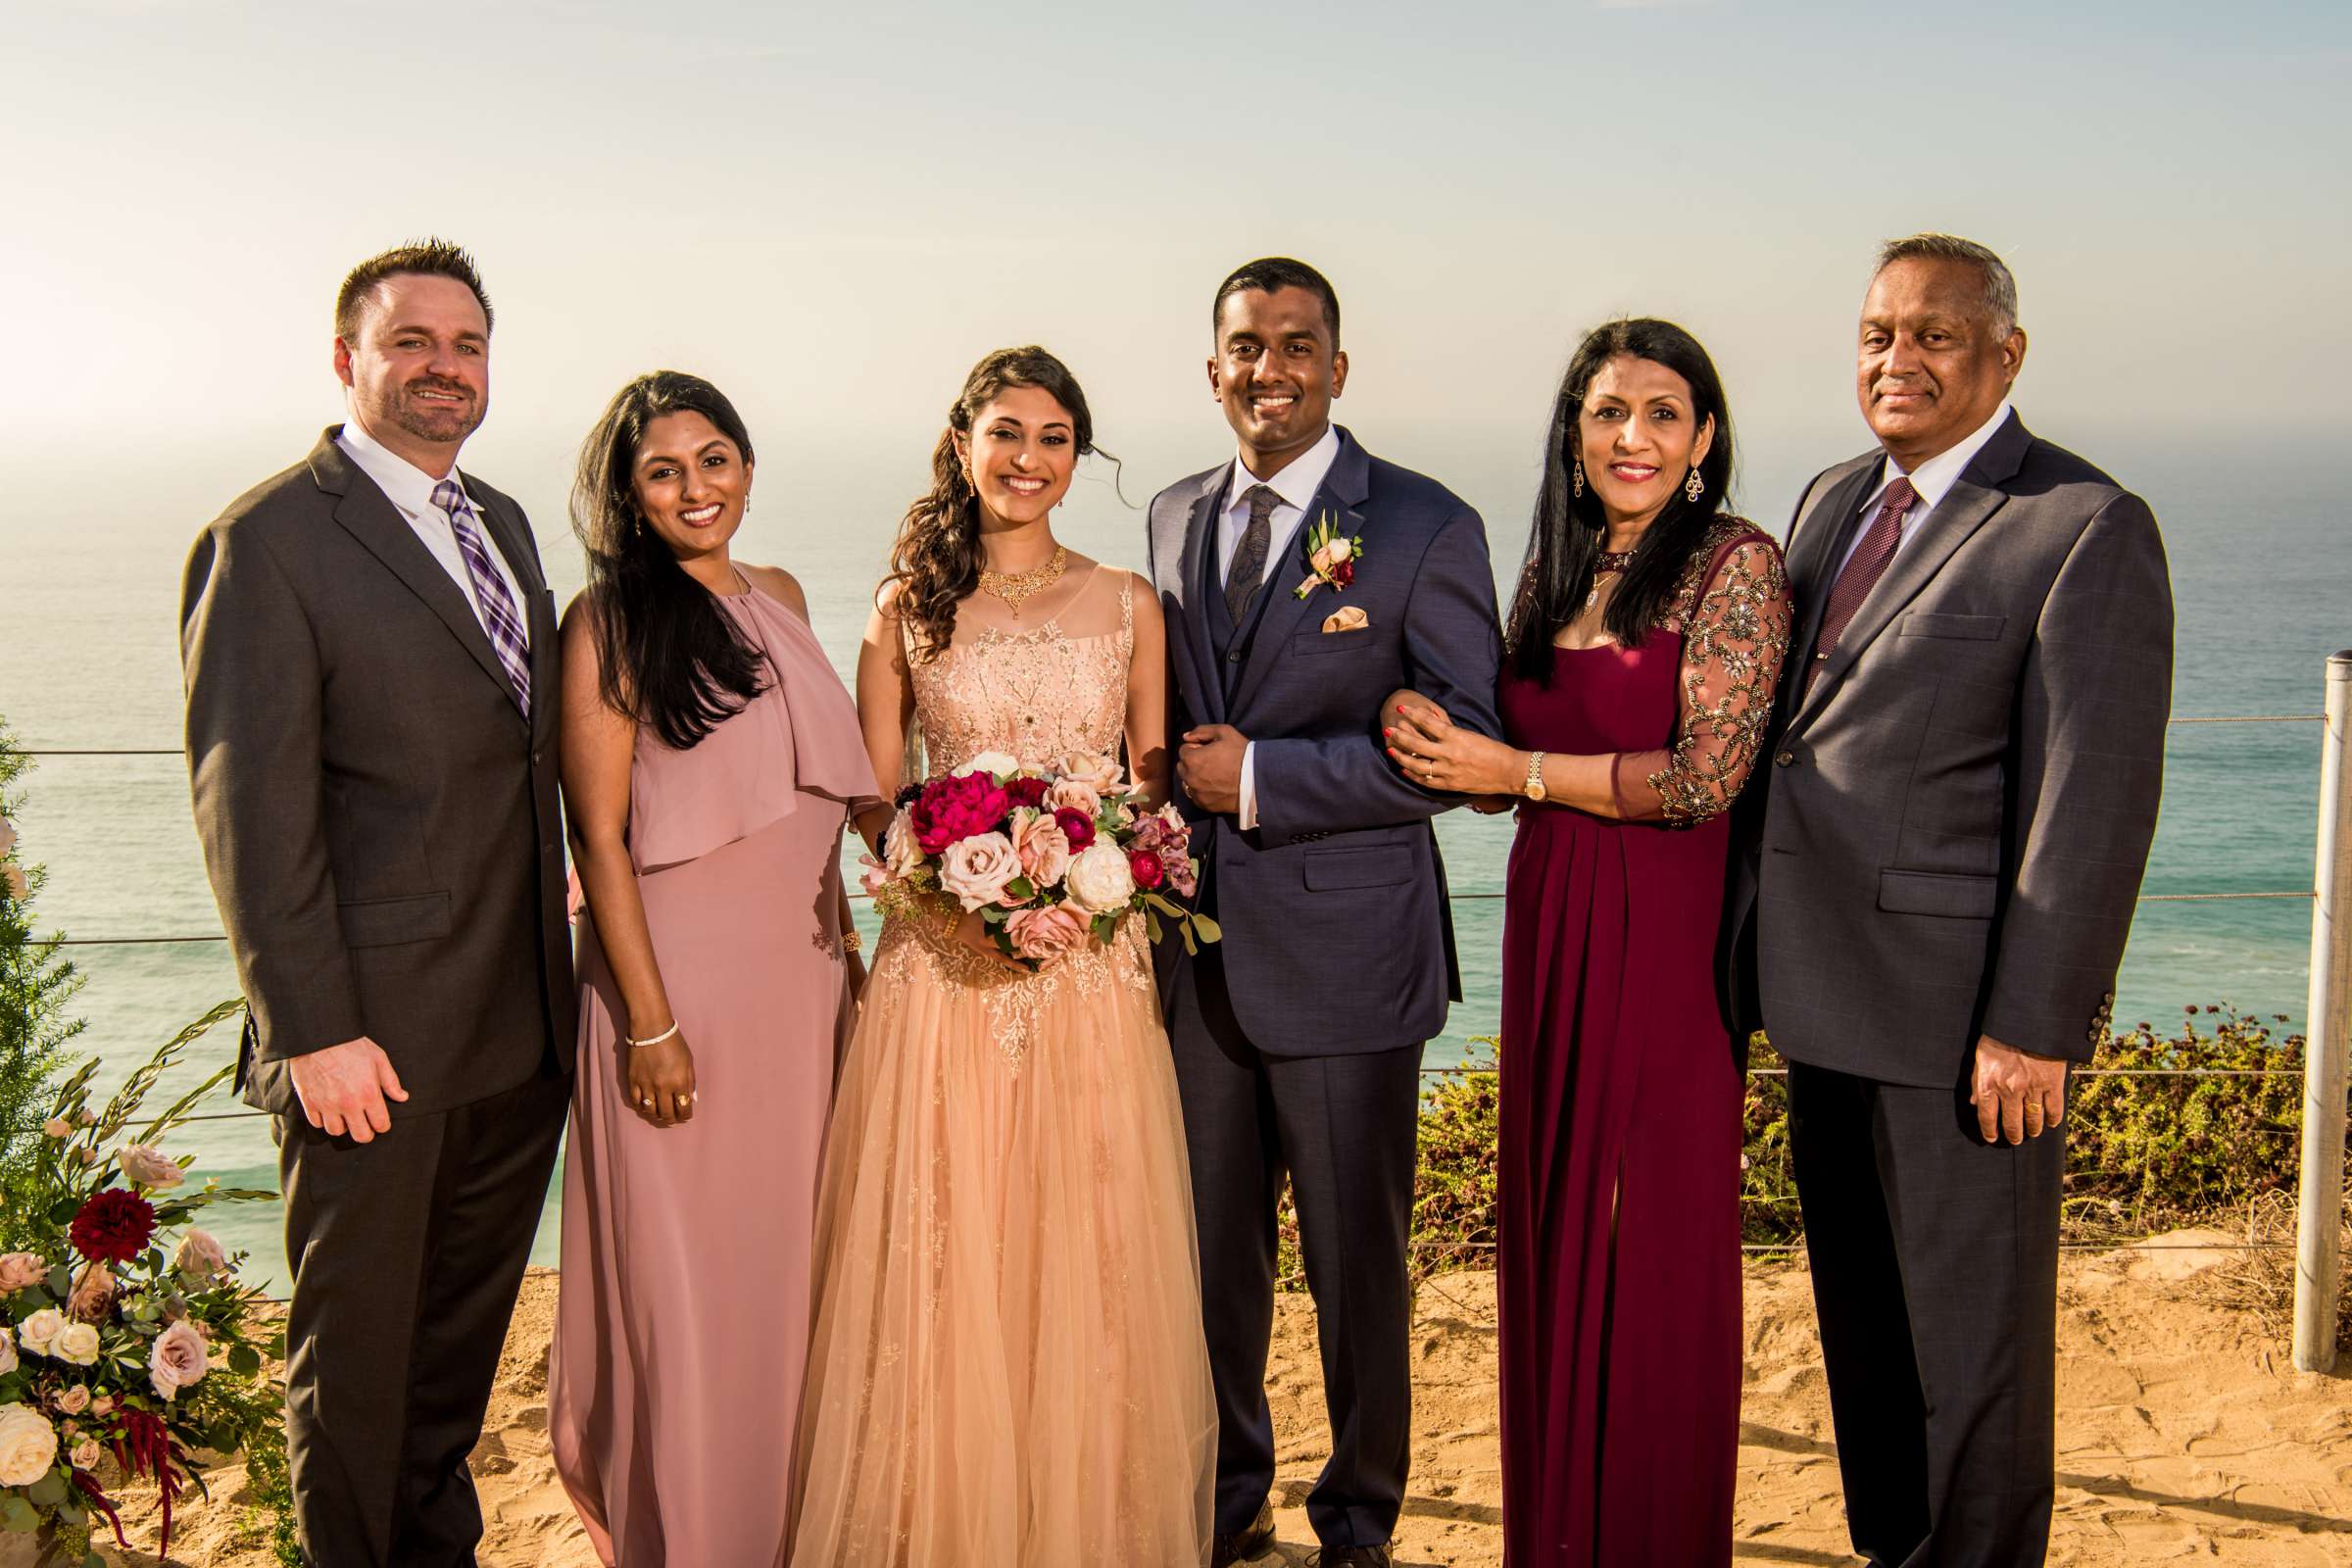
x=1339, y=936
x=379, y=821
x=1950, y=833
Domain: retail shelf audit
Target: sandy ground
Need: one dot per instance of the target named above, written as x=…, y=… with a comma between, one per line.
x=2184, y=1434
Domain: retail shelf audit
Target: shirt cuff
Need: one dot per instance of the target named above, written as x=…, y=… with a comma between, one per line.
x=1247, y=813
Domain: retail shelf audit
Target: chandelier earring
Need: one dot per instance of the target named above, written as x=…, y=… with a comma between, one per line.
x=1578, y=481
x=1695, y=488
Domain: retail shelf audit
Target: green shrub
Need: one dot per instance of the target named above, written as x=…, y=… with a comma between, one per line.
x=35, y=984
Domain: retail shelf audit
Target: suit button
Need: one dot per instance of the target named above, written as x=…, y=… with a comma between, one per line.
x=1785, y=759
x=537, y=757
x=1234, y=657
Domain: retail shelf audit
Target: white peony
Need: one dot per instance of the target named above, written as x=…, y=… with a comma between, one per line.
x=77, y=1342
x=38, y=1332
x=27, y=1445
x=1099, y=880
x=998, y=763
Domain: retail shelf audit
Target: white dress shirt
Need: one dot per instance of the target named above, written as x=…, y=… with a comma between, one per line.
x=1293, y=487
x=1933, y=481
x=410, y=489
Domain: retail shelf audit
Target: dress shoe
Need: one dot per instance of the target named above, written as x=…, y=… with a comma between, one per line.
x=1352, y=1557
x=1242, y=1545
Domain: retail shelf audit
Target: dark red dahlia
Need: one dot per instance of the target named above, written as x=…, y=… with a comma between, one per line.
x=113, y=1226
x=1076, y=827
x=1148, y=873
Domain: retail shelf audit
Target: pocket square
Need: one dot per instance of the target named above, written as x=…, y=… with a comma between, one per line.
x=1346, y=618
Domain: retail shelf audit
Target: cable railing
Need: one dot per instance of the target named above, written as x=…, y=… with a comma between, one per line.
x=2328, y=1029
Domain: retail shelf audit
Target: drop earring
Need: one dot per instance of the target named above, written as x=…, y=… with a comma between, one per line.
x=1694, y=486
x=1579, y=479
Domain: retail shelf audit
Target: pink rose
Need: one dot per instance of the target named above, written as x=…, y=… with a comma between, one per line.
x=976, y=868
x=148, y=1166
x=75, y=1399
x=103, y=1404
x=86, y=1454
x=93, y=1298
x=17, y=1270
x=1043, y=848
x=199, y=1255
x=1089, y=767
x=178, y=1361
x=1074, y=794
x=1046, y=933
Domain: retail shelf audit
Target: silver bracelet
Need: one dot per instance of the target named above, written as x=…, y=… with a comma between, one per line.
x=655, y=1038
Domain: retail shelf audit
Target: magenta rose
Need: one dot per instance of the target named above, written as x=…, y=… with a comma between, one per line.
x=1046, y=933
x=1077, y=827
x=1029, y=792
x=950, y=810
x=1148, y=873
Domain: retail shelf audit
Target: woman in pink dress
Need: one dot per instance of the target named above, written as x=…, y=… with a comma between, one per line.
x=1643, y=651
x=710, y=760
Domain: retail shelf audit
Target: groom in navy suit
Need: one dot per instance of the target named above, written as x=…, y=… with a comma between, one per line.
x=1299, y=1037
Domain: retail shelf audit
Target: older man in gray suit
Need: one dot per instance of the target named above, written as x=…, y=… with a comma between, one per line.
x=370, y=654
x=1936, y=883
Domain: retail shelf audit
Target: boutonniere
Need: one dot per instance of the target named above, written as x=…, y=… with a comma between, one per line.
x=1332, y=554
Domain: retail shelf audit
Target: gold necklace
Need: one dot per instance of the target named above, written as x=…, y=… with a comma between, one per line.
x=1016, y=587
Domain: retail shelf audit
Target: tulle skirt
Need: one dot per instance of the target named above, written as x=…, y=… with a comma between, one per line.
x=1007, y=1364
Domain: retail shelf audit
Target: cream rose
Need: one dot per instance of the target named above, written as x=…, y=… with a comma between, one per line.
x=148, y=1166
x=994, y=762
x=976, y=869
x=1089, y=767
x=1046, y=933
x=1043, y=847
x=38, y=1332
x=199, y=1255
x=1074, y=794
x=86, y=1454
x=178, y=1361
x=104, y=1404
x=78, y=1344
x=75, y=1399
x=20, y=1269
x=1099, y=880
x=27, y=1444
x=902, y=856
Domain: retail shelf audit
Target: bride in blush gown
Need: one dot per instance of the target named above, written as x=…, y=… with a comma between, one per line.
x=1008, y=1365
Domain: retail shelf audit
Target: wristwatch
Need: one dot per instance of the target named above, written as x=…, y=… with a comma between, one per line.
x=1533, y=789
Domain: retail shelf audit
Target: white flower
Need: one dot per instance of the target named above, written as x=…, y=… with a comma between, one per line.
x=1341, y=549
x=77, y=1342
x=178, y=1361
x=994, y=762
x=148, y=1166
x=1099, y=880
x=27, y=1444
x=901, y=856
x=38, y=1332
x=7, y=1350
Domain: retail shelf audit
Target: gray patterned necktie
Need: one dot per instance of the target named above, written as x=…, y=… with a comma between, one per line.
x=1249, y=569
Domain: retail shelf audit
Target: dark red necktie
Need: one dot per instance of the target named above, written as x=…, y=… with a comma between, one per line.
x=1863, y=570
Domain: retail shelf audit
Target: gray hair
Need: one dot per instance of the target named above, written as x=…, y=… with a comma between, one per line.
x=1998, y=284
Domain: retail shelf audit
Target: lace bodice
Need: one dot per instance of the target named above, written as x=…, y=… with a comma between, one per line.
x=1032, y=694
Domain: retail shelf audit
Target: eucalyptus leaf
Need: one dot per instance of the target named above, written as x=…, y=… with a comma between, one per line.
x=61, y=1282
x=49, y=1490
x=1209, y=930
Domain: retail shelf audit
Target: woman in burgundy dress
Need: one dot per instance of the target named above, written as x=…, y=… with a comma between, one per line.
x=1644, y=645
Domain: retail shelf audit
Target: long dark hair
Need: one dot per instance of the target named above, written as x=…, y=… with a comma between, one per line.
x=936, y=559
x=666, y=654
x=1564, y=548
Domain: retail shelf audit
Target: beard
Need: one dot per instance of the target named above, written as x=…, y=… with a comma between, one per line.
x=441, y=423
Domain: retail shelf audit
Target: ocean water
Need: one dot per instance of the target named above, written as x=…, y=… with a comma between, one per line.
x=89, y=582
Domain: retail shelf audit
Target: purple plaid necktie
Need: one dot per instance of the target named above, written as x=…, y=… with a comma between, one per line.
x=1863, y=570
x=498, y=616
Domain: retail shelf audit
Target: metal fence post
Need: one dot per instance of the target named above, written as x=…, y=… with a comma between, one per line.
x=2328, y=1034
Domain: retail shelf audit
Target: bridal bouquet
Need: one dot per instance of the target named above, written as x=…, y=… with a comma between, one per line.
x=1050, y=857
x=123, y=1350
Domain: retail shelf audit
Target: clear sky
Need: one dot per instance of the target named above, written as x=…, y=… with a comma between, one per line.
x=834, y=210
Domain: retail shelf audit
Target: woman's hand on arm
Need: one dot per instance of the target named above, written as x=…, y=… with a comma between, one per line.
x=1440, y=754
x=598, y=746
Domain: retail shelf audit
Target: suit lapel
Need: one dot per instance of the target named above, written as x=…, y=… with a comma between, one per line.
x=1825, y=531
x=1197, y=572
x=368, y=515
x=1966, y=508
x=1277, y=614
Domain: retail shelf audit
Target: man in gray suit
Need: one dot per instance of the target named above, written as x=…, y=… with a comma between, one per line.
x=1297, y=1038
x=1935, y=885
x=369, y=658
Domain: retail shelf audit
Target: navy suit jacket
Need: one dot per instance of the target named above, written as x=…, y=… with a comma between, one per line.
x=1338, y=935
